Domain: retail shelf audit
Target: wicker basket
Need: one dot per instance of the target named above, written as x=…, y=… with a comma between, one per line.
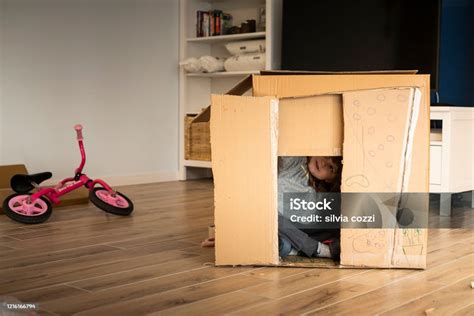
x=197, y=139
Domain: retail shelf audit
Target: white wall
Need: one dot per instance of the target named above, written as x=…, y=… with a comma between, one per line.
x=109, y=64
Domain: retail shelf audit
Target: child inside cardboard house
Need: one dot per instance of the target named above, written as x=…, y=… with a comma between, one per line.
x=307, y=175
x=302, y=175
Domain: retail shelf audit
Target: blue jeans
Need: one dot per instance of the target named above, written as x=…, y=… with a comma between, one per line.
x=284, y=247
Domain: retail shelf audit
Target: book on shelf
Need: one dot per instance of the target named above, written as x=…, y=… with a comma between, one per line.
x=212, y=23
x=198, y=23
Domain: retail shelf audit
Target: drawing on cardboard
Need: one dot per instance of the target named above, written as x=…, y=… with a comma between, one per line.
x=412, y=242
x=371, y=242
x=371, y=109
x=358, y=179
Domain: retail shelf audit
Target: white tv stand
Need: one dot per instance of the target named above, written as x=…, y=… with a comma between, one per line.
x=452, y=154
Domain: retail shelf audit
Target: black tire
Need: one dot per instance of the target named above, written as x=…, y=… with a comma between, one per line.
x=123, y=211
x=24, y=219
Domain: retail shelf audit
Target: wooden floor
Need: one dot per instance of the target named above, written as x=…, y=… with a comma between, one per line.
x=87, y=262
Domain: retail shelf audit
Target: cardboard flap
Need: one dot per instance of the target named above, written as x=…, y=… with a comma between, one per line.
x=244, y=163
x=308, y=72
x=284, y=86
x=239, y=89
x=204, y=116
x=243, y=86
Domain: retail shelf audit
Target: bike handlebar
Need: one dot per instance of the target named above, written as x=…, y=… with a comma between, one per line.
x=78, y=129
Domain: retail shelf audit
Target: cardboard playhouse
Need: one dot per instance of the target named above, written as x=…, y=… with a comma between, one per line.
x=377, y=121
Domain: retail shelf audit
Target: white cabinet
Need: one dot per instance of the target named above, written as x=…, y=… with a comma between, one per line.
x=452, y=153
x=436, y=164
x=196, y=89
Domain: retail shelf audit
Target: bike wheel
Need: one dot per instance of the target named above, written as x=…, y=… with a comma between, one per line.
x=16, y=207
x=116, y=203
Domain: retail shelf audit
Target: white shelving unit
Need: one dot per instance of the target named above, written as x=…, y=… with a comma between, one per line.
x=227, y=38
x=451, y=166
x=196, y=89
x=223, y=74
x=197, y=163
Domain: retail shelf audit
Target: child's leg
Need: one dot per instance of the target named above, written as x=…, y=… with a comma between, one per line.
x=334, y=247
x=330, y=239
x=297, y=238
x=301, y=241
x=285, y=248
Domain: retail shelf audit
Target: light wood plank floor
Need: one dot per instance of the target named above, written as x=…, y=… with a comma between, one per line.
x=84, y=261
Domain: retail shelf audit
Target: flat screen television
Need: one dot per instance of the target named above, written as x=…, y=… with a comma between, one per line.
x=364, y=35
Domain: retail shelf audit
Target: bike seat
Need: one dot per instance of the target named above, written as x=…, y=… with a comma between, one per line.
x=23, y=183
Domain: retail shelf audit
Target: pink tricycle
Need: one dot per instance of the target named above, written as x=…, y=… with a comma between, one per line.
x=33, y=208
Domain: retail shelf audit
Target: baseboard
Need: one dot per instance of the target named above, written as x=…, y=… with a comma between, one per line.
x=164, y=176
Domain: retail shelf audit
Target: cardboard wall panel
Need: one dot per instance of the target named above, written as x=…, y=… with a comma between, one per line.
x=310, y=126
x=379, y=132
x=410, y=248
x=376, y=125
x=244, y=162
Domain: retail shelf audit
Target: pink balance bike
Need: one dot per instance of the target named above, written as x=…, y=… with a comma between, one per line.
x=33, y=208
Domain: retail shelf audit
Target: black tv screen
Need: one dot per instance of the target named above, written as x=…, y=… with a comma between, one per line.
x=364, y=35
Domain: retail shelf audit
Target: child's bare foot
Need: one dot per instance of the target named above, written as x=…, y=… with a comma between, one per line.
x=209, y=242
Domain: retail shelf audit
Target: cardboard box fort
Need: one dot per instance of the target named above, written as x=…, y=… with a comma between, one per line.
x=378, y=122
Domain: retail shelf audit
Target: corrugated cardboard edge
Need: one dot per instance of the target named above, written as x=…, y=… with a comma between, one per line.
x=324, y=263
x=309, y=72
